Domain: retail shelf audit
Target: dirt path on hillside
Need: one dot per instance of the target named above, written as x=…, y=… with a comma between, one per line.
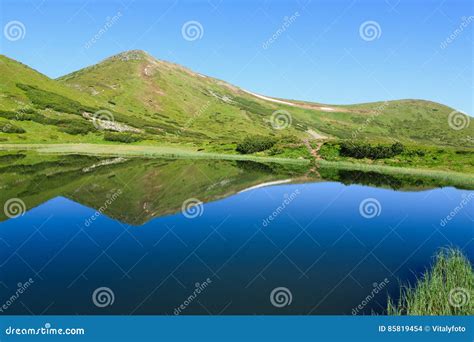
x=314, y=150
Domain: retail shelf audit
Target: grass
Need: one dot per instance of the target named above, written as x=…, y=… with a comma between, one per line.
x=463, y=180
x=445, y=178
x=142, y=151
x=412, y=156
x=446, y=289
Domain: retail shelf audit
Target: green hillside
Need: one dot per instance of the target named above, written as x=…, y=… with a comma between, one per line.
x=182, y=100
x=136, y=99
x=176, y=101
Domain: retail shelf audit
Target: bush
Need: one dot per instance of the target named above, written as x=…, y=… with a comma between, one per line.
x=122, y=137
x=362, y=150
x=397, y=148
x=76, y=127
x=255, y=144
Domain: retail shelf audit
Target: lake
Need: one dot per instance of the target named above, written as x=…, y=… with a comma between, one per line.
x=88, y=235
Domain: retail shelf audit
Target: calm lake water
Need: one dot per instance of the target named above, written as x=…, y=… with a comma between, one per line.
x=310, y=247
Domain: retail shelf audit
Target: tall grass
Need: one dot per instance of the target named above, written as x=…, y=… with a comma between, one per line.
x=446, y=289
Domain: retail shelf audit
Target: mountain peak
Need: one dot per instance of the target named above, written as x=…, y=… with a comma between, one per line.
x=132, y=55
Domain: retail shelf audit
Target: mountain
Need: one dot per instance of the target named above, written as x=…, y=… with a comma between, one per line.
x=161, y=102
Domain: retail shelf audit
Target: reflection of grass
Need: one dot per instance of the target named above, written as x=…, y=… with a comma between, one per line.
x=463, y=180
x=151, y=187
x=445, y=290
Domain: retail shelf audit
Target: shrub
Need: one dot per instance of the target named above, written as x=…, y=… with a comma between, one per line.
x=76, y=127
x=397, y=148
x=122, y=137
x=362, y=150
x=255, y=144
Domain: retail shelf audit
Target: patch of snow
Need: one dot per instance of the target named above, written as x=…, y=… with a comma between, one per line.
x=269, y=98
x=283, y=181
x=327, y=109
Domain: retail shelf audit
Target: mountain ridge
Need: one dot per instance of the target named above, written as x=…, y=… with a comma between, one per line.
x=167, y=102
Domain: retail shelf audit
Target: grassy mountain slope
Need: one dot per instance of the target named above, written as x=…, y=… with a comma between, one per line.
x=178, y=98
x=160, y=103
x=42, y=110
x=178, y=101
x=23, y=109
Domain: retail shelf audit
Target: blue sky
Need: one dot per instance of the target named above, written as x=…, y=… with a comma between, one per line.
x=319, y=56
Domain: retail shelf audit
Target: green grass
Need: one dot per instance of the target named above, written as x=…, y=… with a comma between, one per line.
x=142, y=151
x=446, y=289
x=413, y=156
x=407, y=178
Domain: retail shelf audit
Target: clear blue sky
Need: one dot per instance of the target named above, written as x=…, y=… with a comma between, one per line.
x=320, y=56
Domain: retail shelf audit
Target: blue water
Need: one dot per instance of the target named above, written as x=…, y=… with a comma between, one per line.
x=319, y=247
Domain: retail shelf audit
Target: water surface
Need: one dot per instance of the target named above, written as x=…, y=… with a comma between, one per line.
x=92, y=223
